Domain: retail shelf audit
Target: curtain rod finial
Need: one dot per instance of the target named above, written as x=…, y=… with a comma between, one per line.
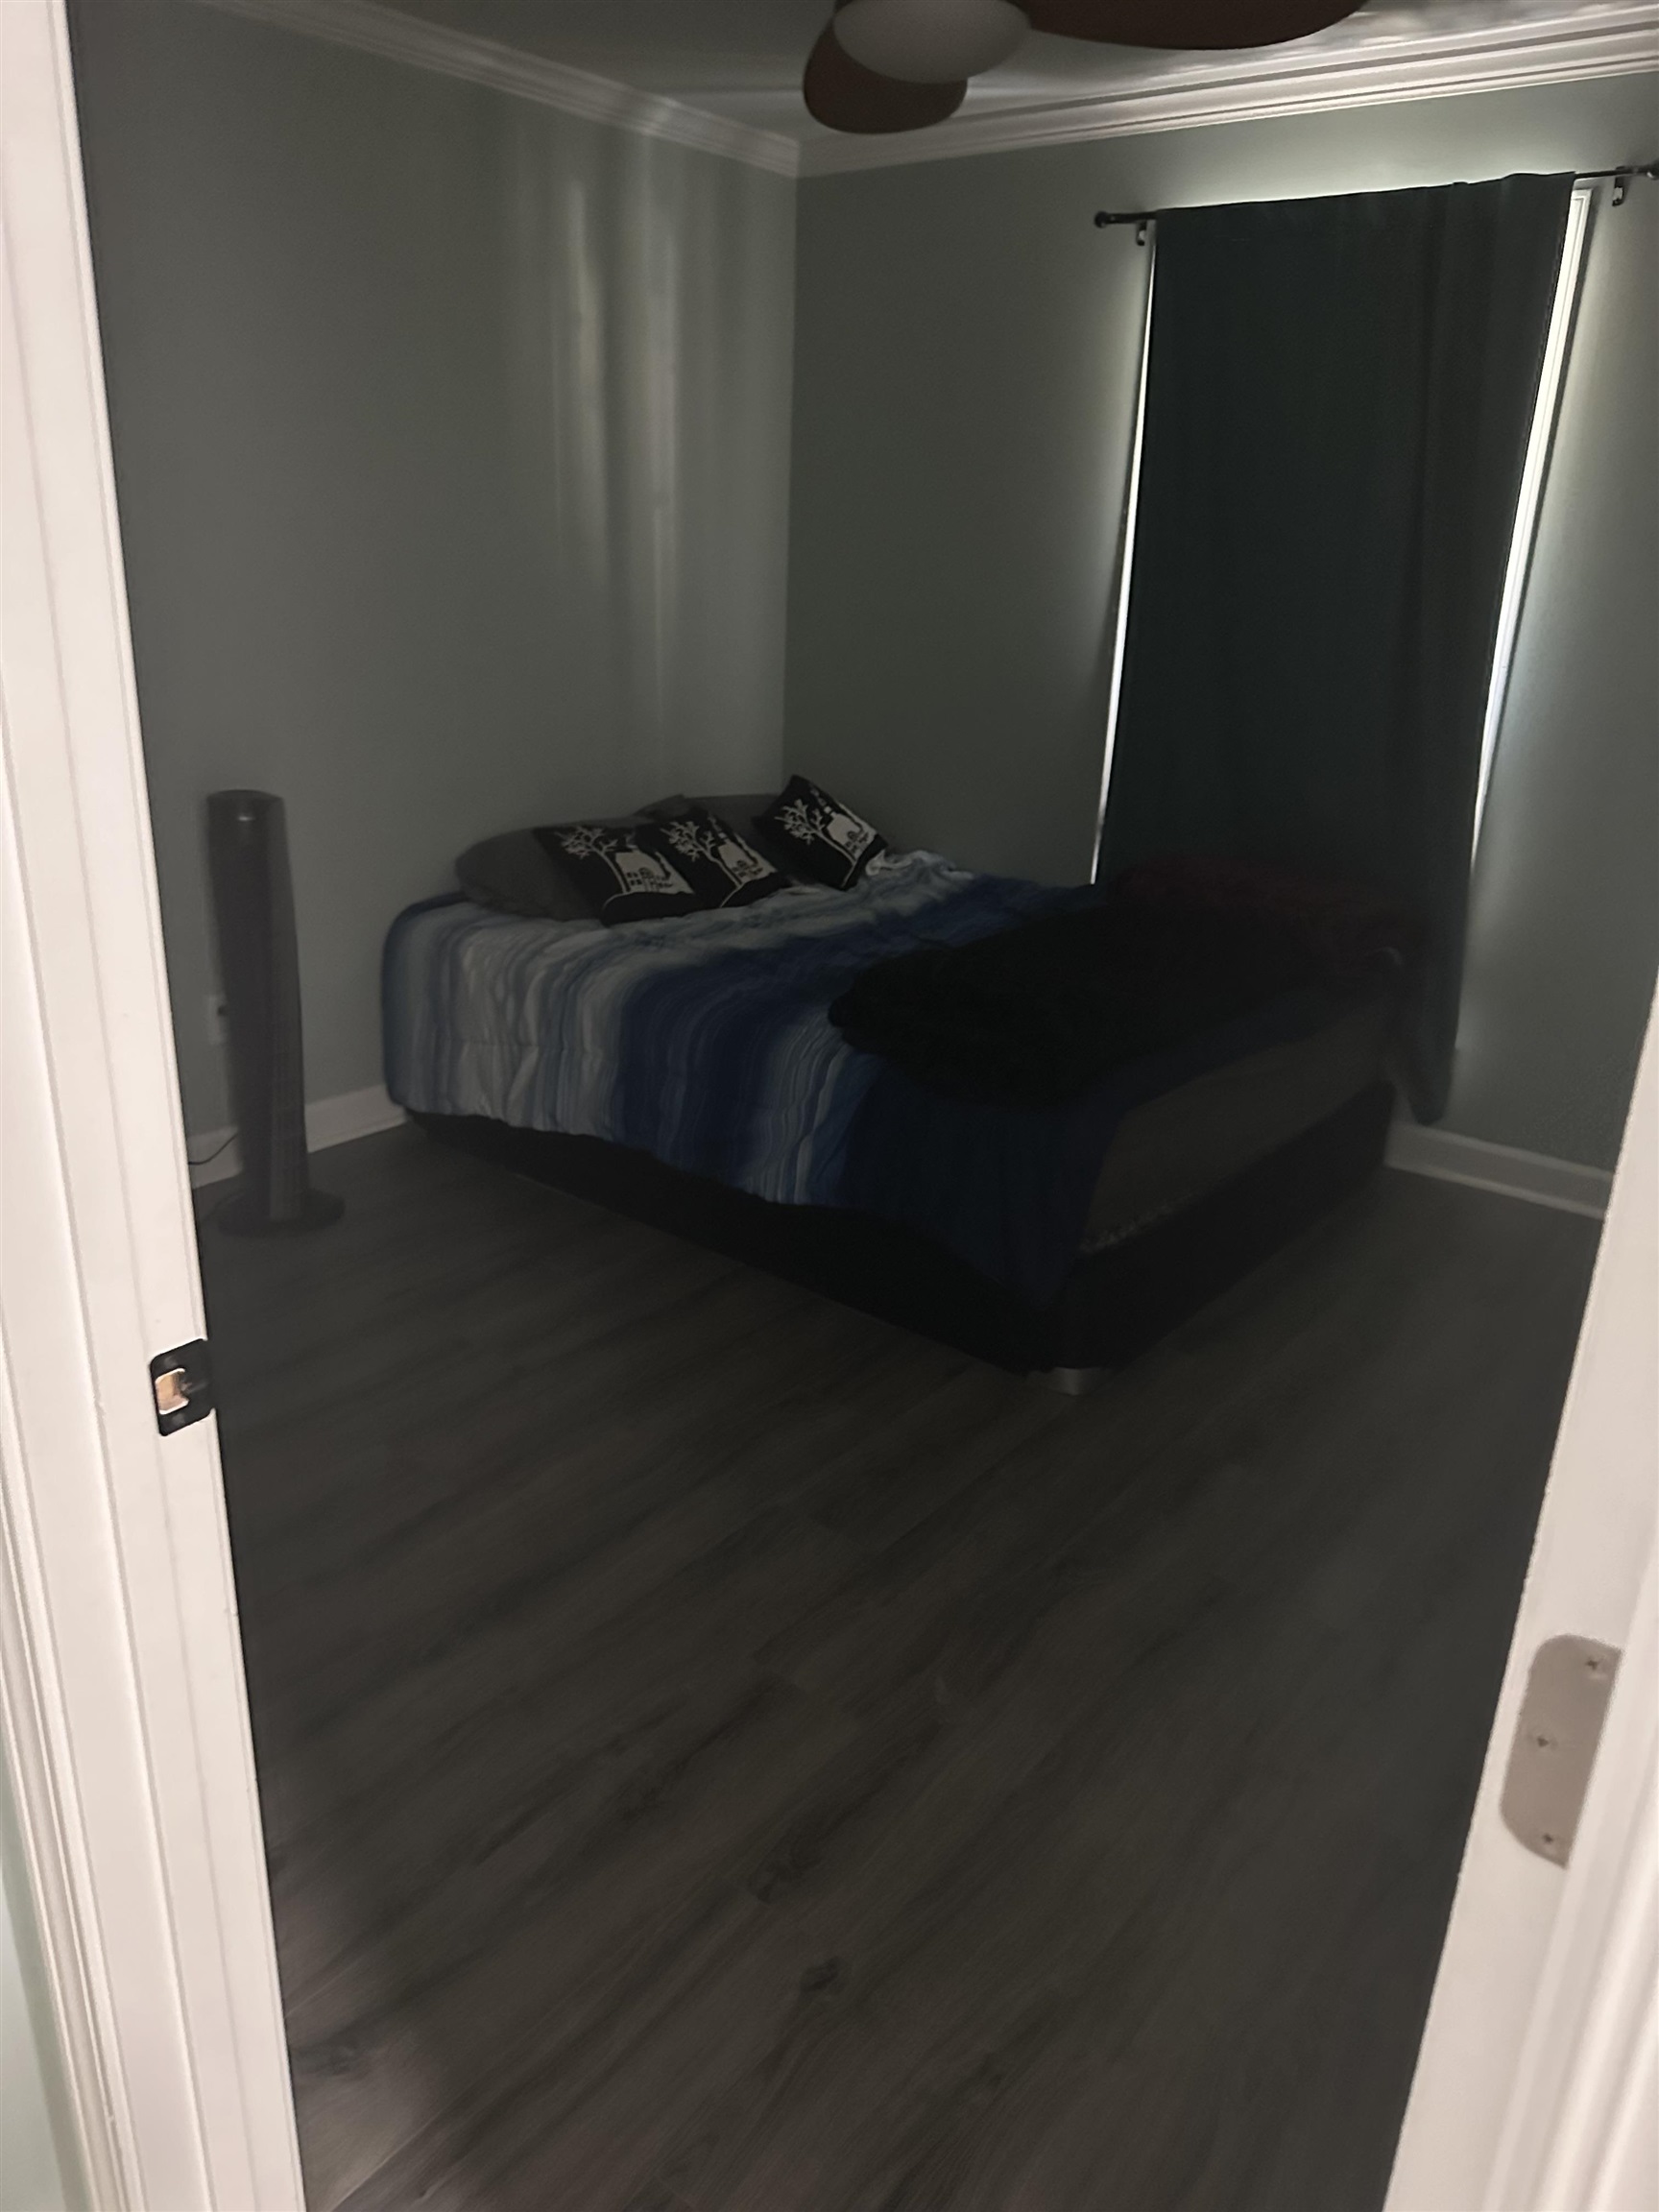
x=1622, y=178
x=1105, y=219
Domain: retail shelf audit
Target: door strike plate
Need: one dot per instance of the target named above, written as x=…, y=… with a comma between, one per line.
x=1555, y=1742
x=182, y=1382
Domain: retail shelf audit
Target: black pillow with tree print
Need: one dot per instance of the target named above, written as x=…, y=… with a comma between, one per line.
x=722, y=867
x=624, y=874
x=819, y=835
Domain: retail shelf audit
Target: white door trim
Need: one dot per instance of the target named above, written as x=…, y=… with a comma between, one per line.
x=1535, y=2079
x=120, y=1658
x=1580, y=2126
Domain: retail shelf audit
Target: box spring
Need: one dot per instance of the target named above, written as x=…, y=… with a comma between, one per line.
x=1113, y=1303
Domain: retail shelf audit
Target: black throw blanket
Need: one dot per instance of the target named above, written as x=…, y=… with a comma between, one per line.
x=1042, y=1013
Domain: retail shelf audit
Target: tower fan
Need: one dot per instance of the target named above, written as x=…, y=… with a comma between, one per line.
x=259, y=962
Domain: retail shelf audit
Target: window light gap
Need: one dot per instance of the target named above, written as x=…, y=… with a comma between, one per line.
x=1539, y=440
x=1131, y=510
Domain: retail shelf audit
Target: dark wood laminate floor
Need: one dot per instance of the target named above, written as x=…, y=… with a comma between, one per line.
x=721, y=1754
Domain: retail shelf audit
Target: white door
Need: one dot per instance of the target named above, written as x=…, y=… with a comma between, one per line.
x=1537, y=2085
x=122, y=1707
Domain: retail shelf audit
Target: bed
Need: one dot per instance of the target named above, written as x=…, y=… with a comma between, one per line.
x=688, y=1071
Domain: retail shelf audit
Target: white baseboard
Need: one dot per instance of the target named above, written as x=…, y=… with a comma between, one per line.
x=1438, y=1152
x=327, y=1121
x=1532, y=1175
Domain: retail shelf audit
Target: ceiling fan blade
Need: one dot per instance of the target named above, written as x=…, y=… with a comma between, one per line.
x=846, y=96
x=1185, y=24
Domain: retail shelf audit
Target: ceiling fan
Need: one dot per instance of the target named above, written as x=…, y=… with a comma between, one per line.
x=901, y=65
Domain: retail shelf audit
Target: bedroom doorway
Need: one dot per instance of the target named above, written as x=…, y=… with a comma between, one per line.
x=847, y=1497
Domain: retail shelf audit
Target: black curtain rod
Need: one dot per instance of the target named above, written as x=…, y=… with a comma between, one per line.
x=1105, y=219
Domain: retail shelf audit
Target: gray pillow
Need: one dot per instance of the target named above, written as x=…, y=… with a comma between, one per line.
x=515, y=874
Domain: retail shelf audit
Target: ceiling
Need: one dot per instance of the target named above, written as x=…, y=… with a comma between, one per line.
x=741, y=59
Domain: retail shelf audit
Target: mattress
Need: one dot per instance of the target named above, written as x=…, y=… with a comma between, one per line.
x=1174, y=1148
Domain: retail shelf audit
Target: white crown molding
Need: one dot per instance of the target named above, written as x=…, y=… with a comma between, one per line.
x=399, y=37
x=1576, y=39
x=1364, y=65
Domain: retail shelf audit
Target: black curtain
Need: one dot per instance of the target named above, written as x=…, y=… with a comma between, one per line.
x=1338, y=401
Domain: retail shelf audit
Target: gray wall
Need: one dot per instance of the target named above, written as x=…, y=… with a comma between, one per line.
x=1565, y=923
x=451, y=442
x=34, y=2173
x=966, y=350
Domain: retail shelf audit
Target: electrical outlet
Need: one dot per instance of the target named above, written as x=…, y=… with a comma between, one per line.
x=216, y=1030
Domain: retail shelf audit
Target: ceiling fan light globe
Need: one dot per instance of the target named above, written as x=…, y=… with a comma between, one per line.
x=929, y=41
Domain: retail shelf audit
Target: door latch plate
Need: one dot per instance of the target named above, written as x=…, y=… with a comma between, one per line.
x=1555, y=1742
x=181, y=1384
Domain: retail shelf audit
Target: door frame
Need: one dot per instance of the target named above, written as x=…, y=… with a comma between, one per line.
x=121, y=1685
x=1536, y=2083
x=122, y=1698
